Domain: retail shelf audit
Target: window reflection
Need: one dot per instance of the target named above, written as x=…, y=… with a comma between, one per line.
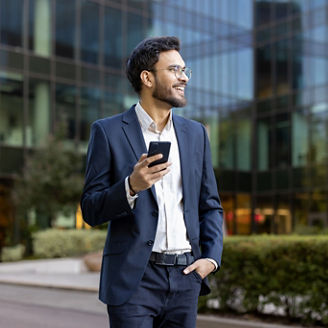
x=282, y=139
x=282, y=61
x=301, y=208
x=264, y=72
x=300, y=138
x=319, y=126
x=65, y=28
x=212, y=126
x=38, y=127
x=90, y=111
x=243, y=214
x=270, y=78
x=65, y=97
x=89, y=32
x=40, y=27
x=282, y=217
x=226, y=143
x=113, y=103
x=229, y=210
x=11, y=59
x=135, y=31
x=264, y=144
x=264, y=214
x=243, y=138
x=11, y=22
x=263, y=12
x=113, y=37
x=318, y=209
x=11, y=109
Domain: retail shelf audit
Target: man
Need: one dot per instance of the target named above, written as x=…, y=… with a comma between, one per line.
x=165, y=221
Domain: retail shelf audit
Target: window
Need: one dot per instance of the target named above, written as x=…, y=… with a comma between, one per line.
x=11, y=22
x=40, y=27
x=37, y=129
x=113, y=37
x=89, y=32
x=65, y=28
x=11, y=109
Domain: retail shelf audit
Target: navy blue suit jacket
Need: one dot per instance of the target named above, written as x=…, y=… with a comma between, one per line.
x=116, y=144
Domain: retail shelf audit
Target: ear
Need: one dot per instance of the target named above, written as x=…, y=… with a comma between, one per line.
x=147, y=78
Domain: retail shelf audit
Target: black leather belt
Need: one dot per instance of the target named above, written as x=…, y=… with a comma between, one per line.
x=171, y=259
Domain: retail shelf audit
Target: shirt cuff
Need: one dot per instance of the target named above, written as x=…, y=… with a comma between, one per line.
x=214, y=262
x=131, y=199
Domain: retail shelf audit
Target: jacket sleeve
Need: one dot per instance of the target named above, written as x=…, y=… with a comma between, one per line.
x=101, y=201
x=210, y=209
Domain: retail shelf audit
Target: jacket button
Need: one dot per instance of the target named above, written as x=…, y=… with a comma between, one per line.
x=150, y=243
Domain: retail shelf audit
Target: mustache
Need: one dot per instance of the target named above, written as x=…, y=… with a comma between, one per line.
x=180, y=85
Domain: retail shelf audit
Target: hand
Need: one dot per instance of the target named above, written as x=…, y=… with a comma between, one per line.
x=202, y=266
x=143, y=177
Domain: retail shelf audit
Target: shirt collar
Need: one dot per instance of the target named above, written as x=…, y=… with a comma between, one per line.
x=147, y=123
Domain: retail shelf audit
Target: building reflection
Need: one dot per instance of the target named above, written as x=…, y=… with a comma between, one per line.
x=259, y=86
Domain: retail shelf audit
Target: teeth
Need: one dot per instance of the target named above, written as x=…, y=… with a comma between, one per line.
x=180, y=88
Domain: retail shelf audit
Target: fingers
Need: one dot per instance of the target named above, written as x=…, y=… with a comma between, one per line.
x=190, y=268
x=202, y=266
x=148, y=160
x=159, y=167
x=143, y=176
x=157, y=175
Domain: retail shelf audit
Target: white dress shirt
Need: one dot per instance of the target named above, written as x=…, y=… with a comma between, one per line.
x=171, y=235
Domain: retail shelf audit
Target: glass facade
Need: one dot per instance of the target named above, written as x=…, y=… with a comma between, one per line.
x=260, y=76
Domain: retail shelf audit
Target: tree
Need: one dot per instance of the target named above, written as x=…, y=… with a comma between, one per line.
x=51, y=182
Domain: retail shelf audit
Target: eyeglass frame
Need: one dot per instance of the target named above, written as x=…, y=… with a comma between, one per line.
x=177, y=69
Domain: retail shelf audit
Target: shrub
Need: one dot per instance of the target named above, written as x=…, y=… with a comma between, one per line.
x=13, y=253
x=290, y=272
x=53, y=243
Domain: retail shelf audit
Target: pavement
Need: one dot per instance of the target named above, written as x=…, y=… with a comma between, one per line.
x=66, y=273
x=71, y=274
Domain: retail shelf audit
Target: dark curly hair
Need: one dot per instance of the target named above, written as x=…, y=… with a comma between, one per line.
x=145, y=55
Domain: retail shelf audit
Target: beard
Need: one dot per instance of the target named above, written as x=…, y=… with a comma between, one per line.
x=165, y=94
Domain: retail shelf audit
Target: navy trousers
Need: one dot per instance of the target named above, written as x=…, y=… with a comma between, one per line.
x=165, y=298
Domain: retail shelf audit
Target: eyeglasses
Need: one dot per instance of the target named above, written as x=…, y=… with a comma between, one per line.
x=177, y=70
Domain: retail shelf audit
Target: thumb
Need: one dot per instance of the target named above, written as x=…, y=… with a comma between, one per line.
x=189, y=269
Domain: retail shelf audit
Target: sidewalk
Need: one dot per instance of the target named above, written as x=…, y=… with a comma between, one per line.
x=71, y=274
x=67, y=273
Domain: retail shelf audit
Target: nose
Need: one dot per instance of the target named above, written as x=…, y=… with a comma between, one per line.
x=183, y=77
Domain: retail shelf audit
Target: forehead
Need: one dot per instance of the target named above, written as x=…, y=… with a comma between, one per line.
x=170, y=57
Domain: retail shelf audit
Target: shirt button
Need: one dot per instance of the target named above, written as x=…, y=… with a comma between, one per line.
x=150, y=243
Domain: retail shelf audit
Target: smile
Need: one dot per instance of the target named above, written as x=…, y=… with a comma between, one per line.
x=180, y=89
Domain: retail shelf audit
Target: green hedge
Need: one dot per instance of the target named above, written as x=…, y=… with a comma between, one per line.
x=12, y=253
x=290, y=272
x=61, y=243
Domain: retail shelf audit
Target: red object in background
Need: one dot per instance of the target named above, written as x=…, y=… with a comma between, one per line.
x=259, y=218
x=229, y=216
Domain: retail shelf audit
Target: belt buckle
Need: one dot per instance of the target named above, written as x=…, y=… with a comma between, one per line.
x=166, y=259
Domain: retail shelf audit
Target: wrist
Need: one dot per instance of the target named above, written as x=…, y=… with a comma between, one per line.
x=132, y=191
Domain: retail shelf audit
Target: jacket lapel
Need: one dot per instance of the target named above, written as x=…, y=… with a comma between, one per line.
x=132, y=130
x=133, y=133
x=185, y=163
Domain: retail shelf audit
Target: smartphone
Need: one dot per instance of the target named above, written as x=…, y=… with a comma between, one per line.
x=159, y=147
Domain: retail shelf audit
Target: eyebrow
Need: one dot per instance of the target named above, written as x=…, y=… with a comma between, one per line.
x=176, y=65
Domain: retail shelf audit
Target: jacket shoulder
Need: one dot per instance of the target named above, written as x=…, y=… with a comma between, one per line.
x=190, y=124
x=108, y=121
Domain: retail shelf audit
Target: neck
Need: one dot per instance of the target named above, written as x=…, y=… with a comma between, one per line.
x=157, y=110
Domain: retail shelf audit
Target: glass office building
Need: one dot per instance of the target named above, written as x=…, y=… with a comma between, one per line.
x=260, y=75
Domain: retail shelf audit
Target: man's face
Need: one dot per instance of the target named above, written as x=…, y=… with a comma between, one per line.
x=169, y=88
